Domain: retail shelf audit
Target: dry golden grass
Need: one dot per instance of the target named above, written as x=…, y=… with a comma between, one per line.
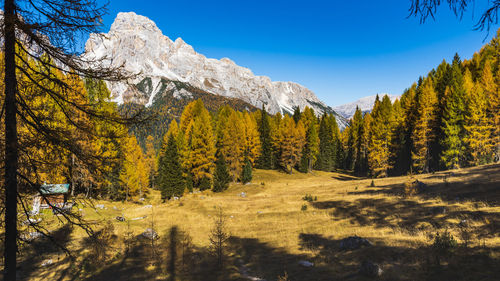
x=270, y=233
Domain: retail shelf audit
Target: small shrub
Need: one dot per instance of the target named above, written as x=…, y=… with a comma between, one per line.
x=372, y=184
x=304, y=207
x=410, y=187
x=218, y=238
x=99, y=246
x=262, y=183
x=466, y=235
x=310, y=198
x=443, y=246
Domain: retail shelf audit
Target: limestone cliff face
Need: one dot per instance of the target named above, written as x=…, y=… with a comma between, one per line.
x=135, y=42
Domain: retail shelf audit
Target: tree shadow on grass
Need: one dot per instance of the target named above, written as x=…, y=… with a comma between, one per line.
x=482, y=185
x=403, y=263
x=43, y=249
x=411, y=216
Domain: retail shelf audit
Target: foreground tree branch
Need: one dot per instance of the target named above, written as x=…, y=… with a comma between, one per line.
x=425, y=9
x=45, y=106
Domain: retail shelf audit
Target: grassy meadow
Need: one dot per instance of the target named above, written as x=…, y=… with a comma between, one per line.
x=271, y=231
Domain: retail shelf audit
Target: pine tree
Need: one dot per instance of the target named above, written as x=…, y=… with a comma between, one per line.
x=453, y=119
x=354, y=157
x=296, y=114
x=325, y=160
x=222, y=178
x=265, y=159
x=276, y=139
x=151, y=160
x=423, y=133
x=311, y=147
x=246, y=173
x=170, y=179
x=335, y=146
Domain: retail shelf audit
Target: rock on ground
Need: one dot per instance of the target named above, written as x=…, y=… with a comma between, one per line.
x=150, y=234
x=370, y=269
x=353, y=243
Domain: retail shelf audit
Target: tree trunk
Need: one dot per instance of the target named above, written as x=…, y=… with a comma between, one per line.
x=72, y=175
x=11, y=153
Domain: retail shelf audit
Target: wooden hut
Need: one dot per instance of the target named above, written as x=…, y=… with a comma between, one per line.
x=53, y=194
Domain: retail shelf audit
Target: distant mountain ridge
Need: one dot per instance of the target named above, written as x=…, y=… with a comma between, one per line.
x=365, y=104
x=136, y=42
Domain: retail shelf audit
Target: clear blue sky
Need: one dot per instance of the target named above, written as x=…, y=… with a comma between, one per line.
x=342, y=50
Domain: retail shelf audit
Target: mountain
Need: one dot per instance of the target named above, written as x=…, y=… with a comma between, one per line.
x=365, y=104
x=169, y=106
x=137, y=44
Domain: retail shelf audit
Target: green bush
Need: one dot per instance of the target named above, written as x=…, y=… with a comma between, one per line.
x=304, y=207
x=443, y=246
x=310, y=198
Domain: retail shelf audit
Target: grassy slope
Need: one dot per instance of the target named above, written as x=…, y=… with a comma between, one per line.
x=270, y=233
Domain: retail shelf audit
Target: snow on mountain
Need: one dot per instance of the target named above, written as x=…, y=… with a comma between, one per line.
x=136, y=42
x=365, y=104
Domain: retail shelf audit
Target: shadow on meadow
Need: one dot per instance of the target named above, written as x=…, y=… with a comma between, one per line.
x=45, y=252
x=479, y=184
x=412, y=216
x=401, y=263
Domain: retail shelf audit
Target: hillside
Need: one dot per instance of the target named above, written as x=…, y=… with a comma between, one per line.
x=170, y=100
x=270, y=233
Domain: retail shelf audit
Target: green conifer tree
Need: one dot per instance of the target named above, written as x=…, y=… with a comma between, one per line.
x=246, y=173
x=222, y=178
x=265, y=159
x=170, y=180
x=453, y=154
x=326, y=145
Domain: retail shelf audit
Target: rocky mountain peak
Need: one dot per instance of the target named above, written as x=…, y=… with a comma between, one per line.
x=136, y=42
x=131, y=22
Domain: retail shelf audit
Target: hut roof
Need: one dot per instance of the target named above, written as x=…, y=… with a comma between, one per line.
x=54, y=188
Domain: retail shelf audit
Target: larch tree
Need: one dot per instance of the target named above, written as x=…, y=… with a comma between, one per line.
x=379, y=139
x=202, y=147
x=293, y=140
x=477, y=128
x=251, y=144
x=423, y=133
x=232, y=143
x=134, y=174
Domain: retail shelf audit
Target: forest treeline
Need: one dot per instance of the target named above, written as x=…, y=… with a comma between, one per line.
x=449, y=118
